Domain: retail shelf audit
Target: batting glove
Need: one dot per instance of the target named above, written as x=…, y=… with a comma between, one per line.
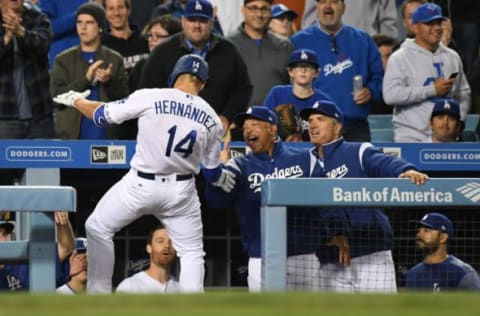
x=69, y=98
x=226, y=181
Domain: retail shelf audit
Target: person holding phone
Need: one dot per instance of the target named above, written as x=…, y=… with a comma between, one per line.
x=453, y=75
x=422, y=71
x=89, y=65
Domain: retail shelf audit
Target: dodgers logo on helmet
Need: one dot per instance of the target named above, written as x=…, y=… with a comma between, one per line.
x=192, y=64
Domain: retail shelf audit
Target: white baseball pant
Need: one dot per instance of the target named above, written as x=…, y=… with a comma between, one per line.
x=374, y=272
x=175, y=203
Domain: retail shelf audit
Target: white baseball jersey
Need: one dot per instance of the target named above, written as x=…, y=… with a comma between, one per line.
x=176, y=130
x=176, y=133
x=141, y=282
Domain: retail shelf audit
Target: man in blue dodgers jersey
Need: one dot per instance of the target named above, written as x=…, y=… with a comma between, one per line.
x=370, y=236
x=345, y=52
x=303, y=69
x=177, y=131
x=439, y=271
x=271, y=158
x=16, y=277
x=422, y=70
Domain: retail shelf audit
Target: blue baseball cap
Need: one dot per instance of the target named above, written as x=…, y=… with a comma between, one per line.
x=303, y=56
x=81, y=244
x=324, y=107
x=199, y=9
x=427, y=13
x=446, y=106
x=256, y=112
x=281, y=9
x=437, y=221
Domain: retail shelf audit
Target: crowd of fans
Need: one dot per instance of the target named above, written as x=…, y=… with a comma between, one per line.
x=351, y=38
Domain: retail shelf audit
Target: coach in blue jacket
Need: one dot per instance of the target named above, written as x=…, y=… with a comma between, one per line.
x=372, y=268
x=271, y=158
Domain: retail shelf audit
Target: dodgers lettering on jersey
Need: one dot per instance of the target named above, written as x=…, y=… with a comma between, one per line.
x=255, y=179
x=185, y=110
x=355, y=53
x=338, y=68
x=338, y=172
x=251, y=170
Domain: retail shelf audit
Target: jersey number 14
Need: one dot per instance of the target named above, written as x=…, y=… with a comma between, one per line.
x=183, y=146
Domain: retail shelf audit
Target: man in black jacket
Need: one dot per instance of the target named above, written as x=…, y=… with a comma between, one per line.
x=229, y=88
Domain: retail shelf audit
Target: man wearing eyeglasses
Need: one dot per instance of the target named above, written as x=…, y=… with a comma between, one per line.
x=265, y=53
x=344, y=52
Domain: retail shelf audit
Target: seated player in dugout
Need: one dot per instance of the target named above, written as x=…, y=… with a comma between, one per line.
x=439, y=271
x=157, y=278
x=16, y=277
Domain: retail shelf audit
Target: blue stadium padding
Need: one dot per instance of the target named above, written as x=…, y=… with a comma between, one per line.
x=41, y=201
x=14, y=252
x=103, y=154
x=391, y=192
x=37, y=198
x=274, y=227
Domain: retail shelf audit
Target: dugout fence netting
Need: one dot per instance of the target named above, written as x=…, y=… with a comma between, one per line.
x=381, y=244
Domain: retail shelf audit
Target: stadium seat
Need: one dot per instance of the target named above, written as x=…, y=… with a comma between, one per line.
x=380, y=121
x=471, y=122
x=469, y=133
x=382, y=135
x=381, y=128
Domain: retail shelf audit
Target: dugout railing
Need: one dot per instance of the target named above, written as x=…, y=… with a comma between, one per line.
x=38, y=250
x=92, y=166
x=277, y=194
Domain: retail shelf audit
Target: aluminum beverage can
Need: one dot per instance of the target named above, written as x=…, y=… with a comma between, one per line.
x=357, y=85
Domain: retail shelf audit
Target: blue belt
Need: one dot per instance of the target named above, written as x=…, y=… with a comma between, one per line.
x=151, y=176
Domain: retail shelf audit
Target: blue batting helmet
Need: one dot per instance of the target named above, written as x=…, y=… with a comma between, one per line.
x=189, y=64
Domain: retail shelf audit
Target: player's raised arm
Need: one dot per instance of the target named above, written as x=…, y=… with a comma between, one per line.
x=79, y=101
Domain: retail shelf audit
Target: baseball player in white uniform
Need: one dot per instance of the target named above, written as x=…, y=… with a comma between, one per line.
x=177, y=132
x=157, y=278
